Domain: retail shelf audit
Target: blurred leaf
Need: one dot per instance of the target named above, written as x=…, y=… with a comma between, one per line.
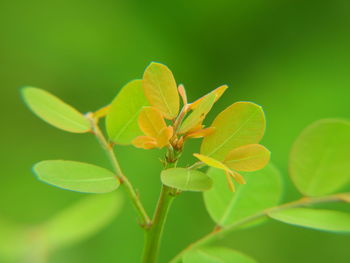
x=161, y=90
x=121, y=121
x=218, y=92
x=76, y=176
x=320, y=158
x=82, y=220
x=200, y=133
x=326, y=220
x=145, y=142
x=198, y=114
x=164, y=136
x=13, y=240
x=151, y=121
x=248, y=158
x=240, y=124
x=182, y=91
x=215, y=255
x=186, y=179
x=54, y=111
x=263, y=190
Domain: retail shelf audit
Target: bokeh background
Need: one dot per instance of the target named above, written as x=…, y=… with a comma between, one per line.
x=292, y=57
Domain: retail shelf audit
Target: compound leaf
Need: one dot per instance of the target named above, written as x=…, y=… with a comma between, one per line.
x=76, y=176
x=54, y=111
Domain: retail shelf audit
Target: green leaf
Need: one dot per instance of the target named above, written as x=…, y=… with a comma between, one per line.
x=161, y=90
x=186, y=179
x=326, y=220
x=76, y=176
x=263, y=190
x=320, y=158
x=122, y=118
x=198, y=114
x=216, y=255
x=240, y=124
x=82, y=220
x=54, y=111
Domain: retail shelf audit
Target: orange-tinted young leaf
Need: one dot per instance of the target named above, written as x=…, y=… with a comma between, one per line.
x=231, y=185
x=161, y=90
x=212, y=162
x=248, y=158
x=102, y=112
x=164, y=136
x=198, y=114
x=145, y=142
x=238, y=178
x=200, y=133
x=151, y=121
x=218, y=93
x=182, y=93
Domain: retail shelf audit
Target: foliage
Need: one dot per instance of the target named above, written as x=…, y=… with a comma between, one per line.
x=241, y=187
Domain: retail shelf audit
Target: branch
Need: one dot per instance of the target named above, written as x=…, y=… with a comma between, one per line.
x=219, y=232
x=145, y=220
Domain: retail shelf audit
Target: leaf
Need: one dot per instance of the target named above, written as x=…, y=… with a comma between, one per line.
x=182, y=91
x=240, y=124
x=262, y=191
x=151, y=121
x=161, y=90
x=320, y=158
x=218, y=92
x=54, y=111
x=76, y=176
x=248, y=158
x=320, y=219
x=82, y=220
x=164, y=136
x=198, y=114
x=200, y=133
x=216, y=255
x=122, y=119
x=145, y=142
x=186, y=179
x=211, y=162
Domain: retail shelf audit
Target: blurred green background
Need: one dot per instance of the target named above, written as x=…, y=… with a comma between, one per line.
x=292, y=57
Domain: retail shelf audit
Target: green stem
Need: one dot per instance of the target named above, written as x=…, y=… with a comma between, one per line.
x=154, y=234
x=145, y=220
x=219, y=232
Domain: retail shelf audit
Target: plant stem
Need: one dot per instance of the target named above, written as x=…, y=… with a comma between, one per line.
x=219, y=232
x=145, y=220
x=154, y=234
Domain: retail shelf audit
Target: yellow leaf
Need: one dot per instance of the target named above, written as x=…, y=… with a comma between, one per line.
x=218, y=93
x=212, y=162
x=160, y=89
x=201, y=133
x=102, y=112
x=164, y=136
x=151, y=121
x=248, y=158
x=145, y=142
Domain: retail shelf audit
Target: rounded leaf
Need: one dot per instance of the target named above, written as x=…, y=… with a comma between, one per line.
x=186, y=179
x=320, y=158
x=54, y=111
x=216, y=255
x=248, y=158
x=262, y=190
x=76, y=176
x=122, y=118
x=320, y=219
x=81, y=220
x=161, y=90
x=240, y=124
